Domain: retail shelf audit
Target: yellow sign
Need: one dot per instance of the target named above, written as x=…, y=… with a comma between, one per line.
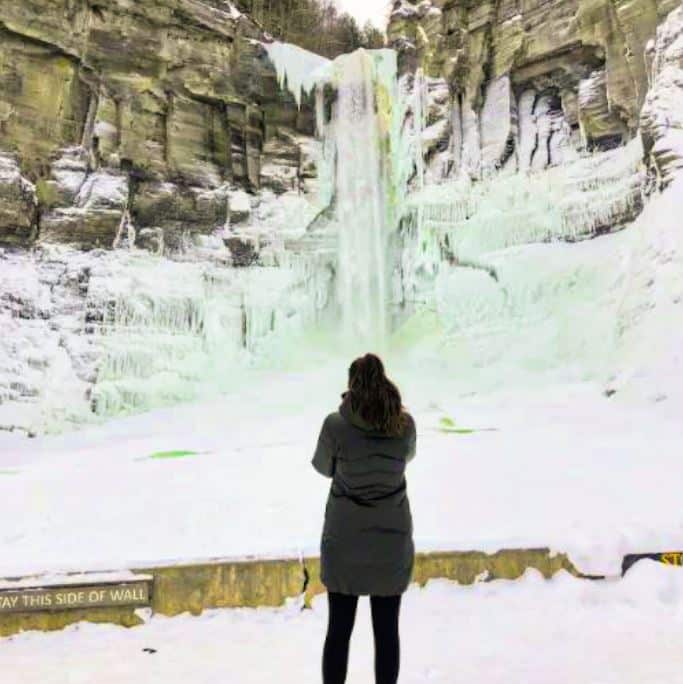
x=65, y=597
x=672, y=558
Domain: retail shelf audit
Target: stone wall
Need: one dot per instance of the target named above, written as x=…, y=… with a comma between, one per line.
x=225, y=583
x=136, y=120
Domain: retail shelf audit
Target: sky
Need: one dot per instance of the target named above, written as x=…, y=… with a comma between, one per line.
x=362, y=10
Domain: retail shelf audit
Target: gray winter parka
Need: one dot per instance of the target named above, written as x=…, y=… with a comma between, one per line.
x=367, y=540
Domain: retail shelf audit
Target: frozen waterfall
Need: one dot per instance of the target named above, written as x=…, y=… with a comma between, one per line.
x=363, y=156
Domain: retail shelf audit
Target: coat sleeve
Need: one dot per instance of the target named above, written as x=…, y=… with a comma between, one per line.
x=323, y=459
x=412, y=441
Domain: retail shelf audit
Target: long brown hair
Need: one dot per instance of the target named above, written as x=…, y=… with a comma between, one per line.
x=374, y=397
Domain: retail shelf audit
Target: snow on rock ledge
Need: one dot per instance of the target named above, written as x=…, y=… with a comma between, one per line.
x=96, y=216
x=18, y=204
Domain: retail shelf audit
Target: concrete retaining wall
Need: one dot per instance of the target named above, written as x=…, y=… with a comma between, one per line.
x=225, y=583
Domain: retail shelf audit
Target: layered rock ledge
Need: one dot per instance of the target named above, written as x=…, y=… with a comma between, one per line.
x=529, y=84
x=138, y=121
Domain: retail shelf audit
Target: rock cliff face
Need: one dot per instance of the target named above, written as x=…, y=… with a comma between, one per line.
x=126, y=114
x=147, y=155
x=527, y=82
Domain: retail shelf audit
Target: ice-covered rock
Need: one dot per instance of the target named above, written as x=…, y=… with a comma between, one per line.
x=88, y=334
x=179, y=210
x=461, y=224
x=18, y=204
x=596, y=120
x=577, y=72
x=496, y=124
x=240, y=207
x=662, y=114
x=41, y=299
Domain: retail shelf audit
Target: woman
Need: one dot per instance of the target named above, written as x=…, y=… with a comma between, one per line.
x=367, y=543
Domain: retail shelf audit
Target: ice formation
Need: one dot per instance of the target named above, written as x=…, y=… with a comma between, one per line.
x=190, y=336
x=508, y=267
x=107, y=333
x=298, y=70
x=569, y=202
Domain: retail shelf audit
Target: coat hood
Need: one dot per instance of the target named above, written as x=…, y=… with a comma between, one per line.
x=347, y=412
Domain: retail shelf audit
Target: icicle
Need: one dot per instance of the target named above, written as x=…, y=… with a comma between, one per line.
x=319, y=110
x=297, y=69
x=419, y=125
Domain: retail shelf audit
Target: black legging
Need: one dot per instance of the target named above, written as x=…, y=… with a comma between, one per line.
x=342, y=615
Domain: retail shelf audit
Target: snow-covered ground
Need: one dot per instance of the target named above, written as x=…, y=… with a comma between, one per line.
x=567, y=467
x=529, y=631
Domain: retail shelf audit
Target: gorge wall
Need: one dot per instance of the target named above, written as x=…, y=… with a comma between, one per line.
x=527, y=83
x=165, y=220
